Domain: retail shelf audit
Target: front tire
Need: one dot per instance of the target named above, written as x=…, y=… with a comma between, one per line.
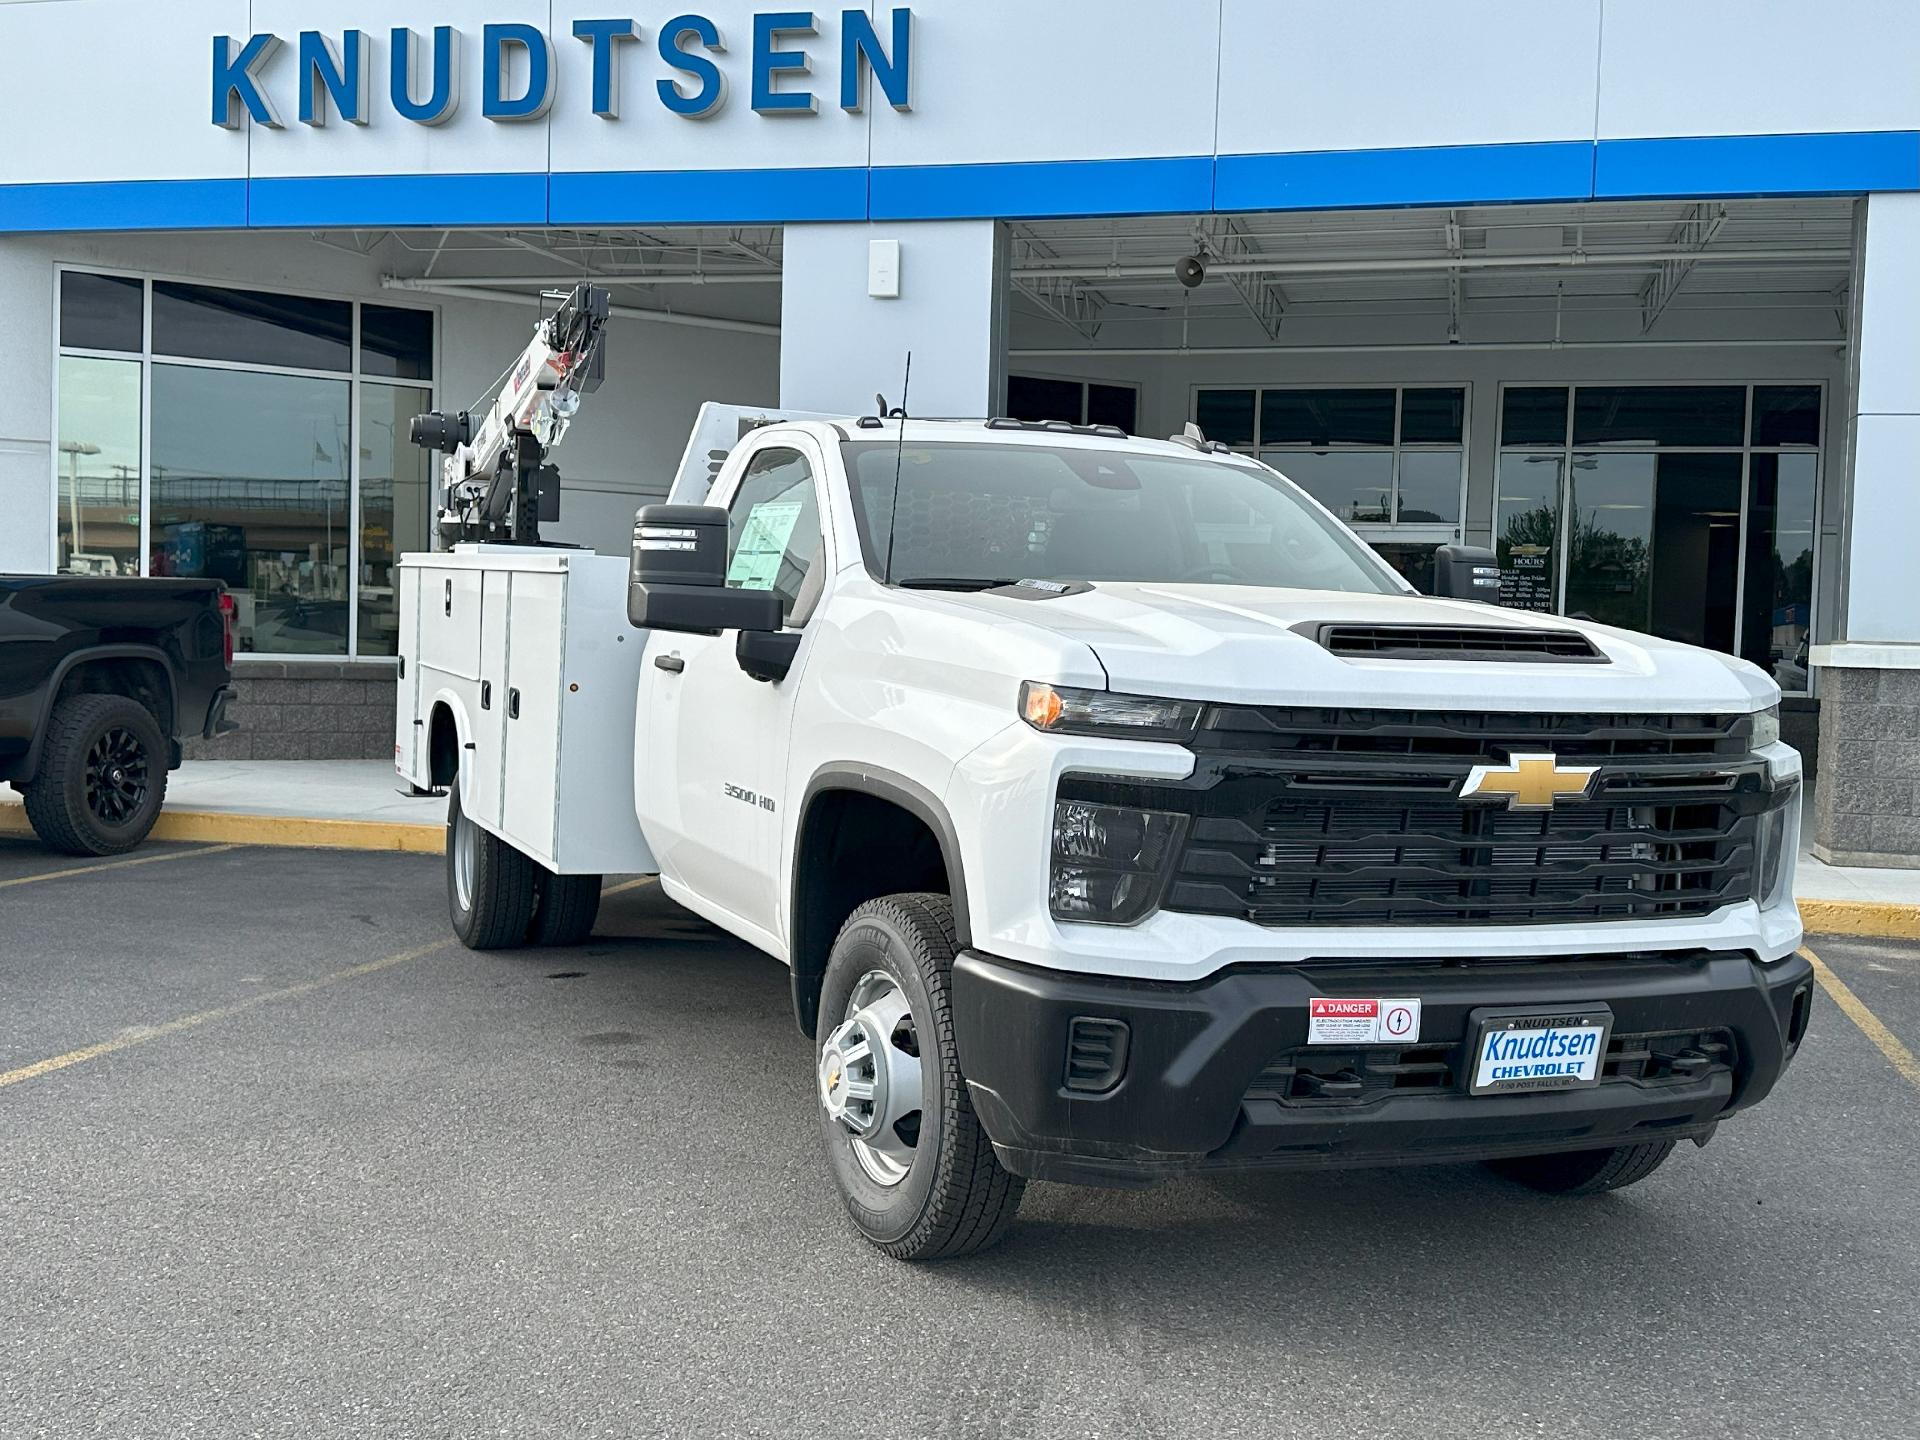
x=102, y=776
x=1584, y=1172
x=912, y=1163
x=490, y=896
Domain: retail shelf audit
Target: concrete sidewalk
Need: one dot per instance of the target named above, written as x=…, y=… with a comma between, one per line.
x=358, y=804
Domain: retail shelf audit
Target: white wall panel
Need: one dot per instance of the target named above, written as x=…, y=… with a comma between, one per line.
x=1012, y=80
x=1890, y=311
x=1306, y=75
x=1758, y=67
x=115, y=90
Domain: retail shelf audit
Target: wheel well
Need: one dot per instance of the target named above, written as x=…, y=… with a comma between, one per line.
x=852, y=847
x=443, y=747
x=146, y=681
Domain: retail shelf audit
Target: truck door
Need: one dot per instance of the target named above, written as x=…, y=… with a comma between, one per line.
x=713, y=753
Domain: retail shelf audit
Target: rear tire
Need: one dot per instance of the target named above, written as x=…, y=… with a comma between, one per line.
x=102, y=776
x=1584, y=1172
x=925, y=1188
x=565, y=908
x=490, y=895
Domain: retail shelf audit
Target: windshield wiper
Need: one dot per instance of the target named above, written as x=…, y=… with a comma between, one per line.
x=951, y=582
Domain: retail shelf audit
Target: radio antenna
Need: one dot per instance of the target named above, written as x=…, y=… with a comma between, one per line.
x=899, y=457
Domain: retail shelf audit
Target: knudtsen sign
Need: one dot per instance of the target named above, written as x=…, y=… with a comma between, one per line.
x=332, y=77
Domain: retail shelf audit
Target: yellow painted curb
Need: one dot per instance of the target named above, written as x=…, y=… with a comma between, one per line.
x=1870, y=919
x=228, y=829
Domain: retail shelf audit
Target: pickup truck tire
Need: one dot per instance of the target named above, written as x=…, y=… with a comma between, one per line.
x=1585, y=1172
x=565, y=907
x=946, y=1195
x=490, y=896
x=102, y=776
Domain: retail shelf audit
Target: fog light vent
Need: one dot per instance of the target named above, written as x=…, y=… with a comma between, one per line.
x=1096, y=1053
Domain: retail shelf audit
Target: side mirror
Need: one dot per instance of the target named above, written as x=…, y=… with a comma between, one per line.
x=678, y=580
x=1466, y=572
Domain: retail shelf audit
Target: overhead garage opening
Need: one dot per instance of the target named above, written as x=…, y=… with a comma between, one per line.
x=1633, y=402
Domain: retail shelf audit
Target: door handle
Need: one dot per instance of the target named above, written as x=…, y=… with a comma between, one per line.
x=449, y=597
x=672, y=664
x=513, y=703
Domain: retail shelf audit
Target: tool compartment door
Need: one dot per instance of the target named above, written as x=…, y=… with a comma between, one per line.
x=450, y=621
x=531, y=705
x=484, y=763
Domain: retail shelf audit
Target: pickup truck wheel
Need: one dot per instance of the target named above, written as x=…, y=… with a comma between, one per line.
x=565, y=907
x=489, y=884
x=102, y=776
x=1585, y=1172
x=915, y=1169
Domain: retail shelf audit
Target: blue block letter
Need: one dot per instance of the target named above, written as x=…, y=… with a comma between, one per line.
x=712, y=93
x=860, y=52
x=236, y=81
x=444, y=98
x=494, y=104
x=768, y=63
x=604, y=36
x=341, y=75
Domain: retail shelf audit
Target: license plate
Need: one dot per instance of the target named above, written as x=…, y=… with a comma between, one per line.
x=1517, y=1050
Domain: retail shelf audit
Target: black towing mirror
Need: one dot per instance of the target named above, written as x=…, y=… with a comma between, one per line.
x=1466, y=572
x=678, y=579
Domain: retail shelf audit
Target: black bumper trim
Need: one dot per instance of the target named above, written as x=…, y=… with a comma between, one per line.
x=217, y=721
x=1182, y=1106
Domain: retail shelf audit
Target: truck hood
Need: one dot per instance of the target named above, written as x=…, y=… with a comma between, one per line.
x=1239, y=643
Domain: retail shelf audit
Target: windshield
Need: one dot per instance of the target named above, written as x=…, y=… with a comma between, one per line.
x=974, y=513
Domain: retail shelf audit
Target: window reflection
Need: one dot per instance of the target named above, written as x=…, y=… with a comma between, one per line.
x=99, y=463
x=1781, y=534
x=1356, y=485
x=395, y=480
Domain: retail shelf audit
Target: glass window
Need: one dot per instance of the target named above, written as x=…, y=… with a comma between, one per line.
x=249, y=486
x=1527, y=531
x=1226, y=415
x=396, y=343
x=100, y=312
x=208, y=322
x=773, y=527
x=1326, y=417
x=1114, y=405
x=99, y=461
x=1356, y=485
x=1533, y=415
x=1659, y=414
x=1032, y=397
x=1432, y=417
x=396, y=479
x=1781, y=535
x=1429, y=492
x=1786, y=414
x=1609, y=550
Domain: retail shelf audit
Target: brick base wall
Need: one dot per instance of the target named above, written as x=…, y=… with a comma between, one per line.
x=1867, y=806
x=306, y=710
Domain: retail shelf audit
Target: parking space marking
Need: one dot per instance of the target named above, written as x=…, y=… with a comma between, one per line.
x=114, y=865
x=141, y=1034
x=626, y=885
x=1870, y=1024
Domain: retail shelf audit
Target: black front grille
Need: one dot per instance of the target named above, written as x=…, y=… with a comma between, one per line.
x=1458, y=642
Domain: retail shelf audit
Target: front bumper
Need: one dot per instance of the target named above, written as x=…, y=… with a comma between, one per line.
x=1218, y=1074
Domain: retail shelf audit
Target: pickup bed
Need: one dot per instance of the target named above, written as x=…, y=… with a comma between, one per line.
x=99, y=680
x=1119, y=815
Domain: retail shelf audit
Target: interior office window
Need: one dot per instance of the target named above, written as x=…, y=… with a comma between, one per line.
x=98, y=455
x=1078, y=402
x=101, y=312
x=396, y=343
x=1665, y=415
x=1228, y=416
x=396, y=482
x=250, y=485
x=251, y=327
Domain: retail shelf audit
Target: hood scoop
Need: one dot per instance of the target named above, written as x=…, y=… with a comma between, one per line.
x=1454, y=642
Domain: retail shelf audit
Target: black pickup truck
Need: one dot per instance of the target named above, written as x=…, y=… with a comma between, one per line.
x=99, y=679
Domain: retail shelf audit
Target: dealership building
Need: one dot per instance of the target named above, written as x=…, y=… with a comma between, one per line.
x=1628, y=289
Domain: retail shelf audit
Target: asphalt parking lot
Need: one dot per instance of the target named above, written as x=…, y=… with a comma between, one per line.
x=361, y=1182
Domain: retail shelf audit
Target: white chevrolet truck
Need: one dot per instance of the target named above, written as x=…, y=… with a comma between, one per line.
x=1120, y=815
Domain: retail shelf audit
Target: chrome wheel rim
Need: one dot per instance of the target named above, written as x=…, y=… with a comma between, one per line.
x=466, y=858
x=870, y=1078
x=116, y=775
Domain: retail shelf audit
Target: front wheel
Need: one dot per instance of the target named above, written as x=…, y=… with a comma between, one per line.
x=1584, y=1172
x=913, y=1165
x=490, y=895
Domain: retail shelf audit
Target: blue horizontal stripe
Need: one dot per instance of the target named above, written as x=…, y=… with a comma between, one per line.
x=348, y=201
x=1440, y=175
x=1179, y=184
x=707, y=197
x=125, y=205
x=1842, y=163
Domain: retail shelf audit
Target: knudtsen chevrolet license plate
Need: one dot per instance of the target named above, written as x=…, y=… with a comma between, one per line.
x=1539, y=1049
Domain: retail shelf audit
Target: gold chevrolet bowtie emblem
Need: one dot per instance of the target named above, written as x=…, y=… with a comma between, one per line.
x=1530, y=782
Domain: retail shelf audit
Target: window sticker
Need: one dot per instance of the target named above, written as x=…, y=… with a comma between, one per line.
x=763, y=541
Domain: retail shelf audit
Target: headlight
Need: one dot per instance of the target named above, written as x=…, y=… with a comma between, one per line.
x=1766, y=727
x=1061, y=710
x=1109, y=861
x=1774, y=848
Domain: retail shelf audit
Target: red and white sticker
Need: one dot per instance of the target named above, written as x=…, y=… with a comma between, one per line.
x=1339, y=1021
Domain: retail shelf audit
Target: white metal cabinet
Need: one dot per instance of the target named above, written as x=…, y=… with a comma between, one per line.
x=536, y=651
x=450, y=621
x=482, y=764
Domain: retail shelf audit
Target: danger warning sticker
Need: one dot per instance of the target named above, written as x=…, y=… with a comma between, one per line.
x=1339, y=1021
